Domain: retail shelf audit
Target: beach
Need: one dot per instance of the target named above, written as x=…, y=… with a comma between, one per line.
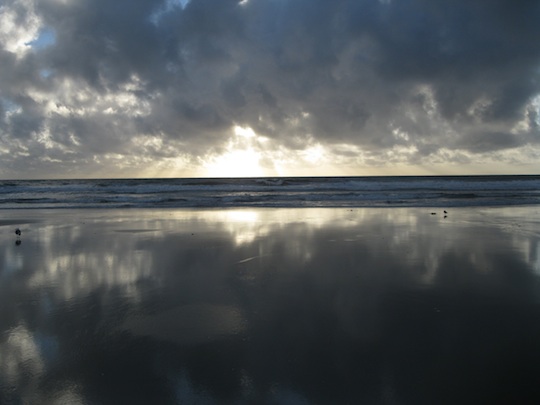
x=270, y=305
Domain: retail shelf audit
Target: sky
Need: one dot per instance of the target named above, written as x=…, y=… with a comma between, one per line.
x=212, y=88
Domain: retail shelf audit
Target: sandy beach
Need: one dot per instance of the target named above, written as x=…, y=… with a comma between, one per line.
x=270, y=306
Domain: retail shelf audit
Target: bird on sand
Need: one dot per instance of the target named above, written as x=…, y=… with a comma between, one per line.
x=18, y=232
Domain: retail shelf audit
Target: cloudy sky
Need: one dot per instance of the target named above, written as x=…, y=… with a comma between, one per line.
x=173, y=88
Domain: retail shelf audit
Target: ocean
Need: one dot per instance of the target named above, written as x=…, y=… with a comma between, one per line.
x=388, y=191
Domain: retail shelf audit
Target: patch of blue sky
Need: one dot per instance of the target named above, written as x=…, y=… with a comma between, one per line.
x=9, y=106
x=45, y=73
x=167, y=7
x=46, y=38
x=536, y=109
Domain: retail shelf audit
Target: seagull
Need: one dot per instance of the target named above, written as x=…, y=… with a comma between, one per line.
x=18, y=232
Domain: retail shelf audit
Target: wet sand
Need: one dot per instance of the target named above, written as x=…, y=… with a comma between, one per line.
x=270, y=306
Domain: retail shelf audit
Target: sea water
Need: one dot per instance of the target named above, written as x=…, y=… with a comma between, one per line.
x=387, y=191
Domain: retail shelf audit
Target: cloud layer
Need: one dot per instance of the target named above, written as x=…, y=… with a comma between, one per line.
x=168, y=88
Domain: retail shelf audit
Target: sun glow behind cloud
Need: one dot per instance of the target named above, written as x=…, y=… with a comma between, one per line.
x=247, y=154
x=240, y=158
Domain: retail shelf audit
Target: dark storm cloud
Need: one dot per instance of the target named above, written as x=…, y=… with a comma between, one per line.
x=460, y=75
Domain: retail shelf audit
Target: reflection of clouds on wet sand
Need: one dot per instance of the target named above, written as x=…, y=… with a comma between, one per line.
x=20, y=356
x=81, y=273
x=263, y=304
x=23, y=363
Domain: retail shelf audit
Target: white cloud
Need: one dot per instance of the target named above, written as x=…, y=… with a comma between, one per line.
x=19, y=26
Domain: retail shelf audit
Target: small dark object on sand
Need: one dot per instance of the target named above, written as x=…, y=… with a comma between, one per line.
x=18, y=233
x=433, y=213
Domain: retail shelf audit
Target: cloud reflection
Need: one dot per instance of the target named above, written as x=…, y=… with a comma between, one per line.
x=271, y=305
